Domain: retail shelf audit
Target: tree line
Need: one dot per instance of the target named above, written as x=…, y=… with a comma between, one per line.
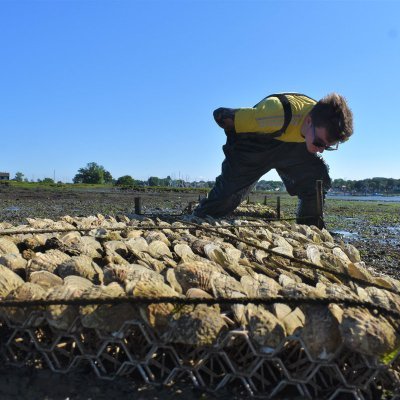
x=94, y=173
x=367, y=186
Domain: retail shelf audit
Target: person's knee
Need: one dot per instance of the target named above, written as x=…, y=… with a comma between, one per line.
x=303, y=182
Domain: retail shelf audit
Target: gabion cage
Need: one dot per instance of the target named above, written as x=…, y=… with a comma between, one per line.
x=234, y=363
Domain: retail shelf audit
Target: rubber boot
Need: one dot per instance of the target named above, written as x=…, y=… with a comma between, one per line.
x=307, y=212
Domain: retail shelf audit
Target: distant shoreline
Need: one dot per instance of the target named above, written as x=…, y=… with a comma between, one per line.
x=363, y=197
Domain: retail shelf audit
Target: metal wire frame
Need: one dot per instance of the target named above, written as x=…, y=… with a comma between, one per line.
x=234, y=363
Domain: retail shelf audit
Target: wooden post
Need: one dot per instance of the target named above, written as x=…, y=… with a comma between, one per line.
x=320, y=199
x=199, y=198
x=138, y=205
x=248, y=199
x=278, y=207
x=265, y=200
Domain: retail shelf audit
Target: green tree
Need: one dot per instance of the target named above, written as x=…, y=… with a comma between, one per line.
x=93, y=173
x=390, y=184
x=125, y=180
x=165, y=181
x=107, y=177
x=47, y=181
x=153, y=181
x=19, y=177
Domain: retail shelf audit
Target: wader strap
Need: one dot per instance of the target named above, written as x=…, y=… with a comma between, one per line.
x=287, y=109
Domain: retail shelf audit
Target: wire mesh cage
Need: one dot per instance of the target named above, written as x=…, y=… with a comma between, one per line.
x=224, y=340
x=233, y=363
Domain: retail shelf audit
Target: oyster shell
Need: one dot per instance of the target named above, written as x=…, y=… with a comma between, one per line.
x=159, y=250
x=195, y=326
x=294, y=321
x=14, y=262
x=195, y=274
x=260, y=285
x=82, y=266
x=320, y=331
x=155, y=315
x=264, y=328
x=365, y=333
x=185, y=252
x=27, y=291
x=45, y=279
x=137, y=245
x=152, y=236
x=7, y=246
x=48, y=261
x=352, y=253
x=9, y=281
x=106, y=317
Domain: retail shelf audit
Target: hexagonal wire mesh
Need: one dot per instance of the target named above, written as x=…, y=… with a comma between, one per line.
x=234, y=363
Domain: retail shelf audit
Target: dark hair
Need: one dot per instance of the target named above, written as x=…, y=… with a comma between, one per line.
x=333, y=113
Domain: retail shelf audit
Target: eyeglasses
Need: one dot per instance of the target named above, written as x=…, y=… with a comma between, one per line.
x=317, y=143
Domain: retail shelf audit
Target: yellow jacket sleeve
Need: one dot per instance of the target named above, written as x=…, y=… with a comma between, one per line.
x=267, y=117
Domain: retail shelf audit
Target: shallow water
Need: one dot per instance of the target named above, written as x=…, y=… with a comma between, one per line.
x=12, y=208
x=394, y=229
x=346, y=234
x=394, y=199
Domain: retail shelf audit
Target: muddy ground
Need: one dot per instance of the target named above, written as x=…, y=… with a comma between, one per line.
x=30, y=384
x=373, y=228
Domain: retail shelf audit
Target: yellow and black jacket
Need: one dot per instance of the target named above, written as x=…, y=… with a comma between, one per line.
x=279, y=116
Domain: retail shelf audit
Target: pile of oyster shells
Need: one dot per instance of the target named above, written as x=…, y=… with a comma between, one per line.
x=153, y=258
x=250, y=209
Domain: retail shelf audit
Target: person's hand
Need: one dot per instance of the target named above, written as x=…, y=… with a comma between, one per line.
x=225, y=118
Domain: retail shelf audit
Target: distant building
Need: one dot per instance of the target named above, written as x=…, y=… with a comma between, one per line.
x=4, y=176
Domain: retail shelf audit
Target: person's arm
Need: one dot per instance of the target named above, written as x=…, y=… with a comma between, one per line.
x=267, y=117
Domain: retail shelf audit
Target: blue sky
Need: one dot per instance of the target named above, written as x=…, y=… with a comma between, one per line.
x=132, y=85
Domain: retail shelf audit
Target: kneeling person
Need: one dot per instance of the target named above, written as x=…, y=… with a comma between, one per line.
x=283, y=132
